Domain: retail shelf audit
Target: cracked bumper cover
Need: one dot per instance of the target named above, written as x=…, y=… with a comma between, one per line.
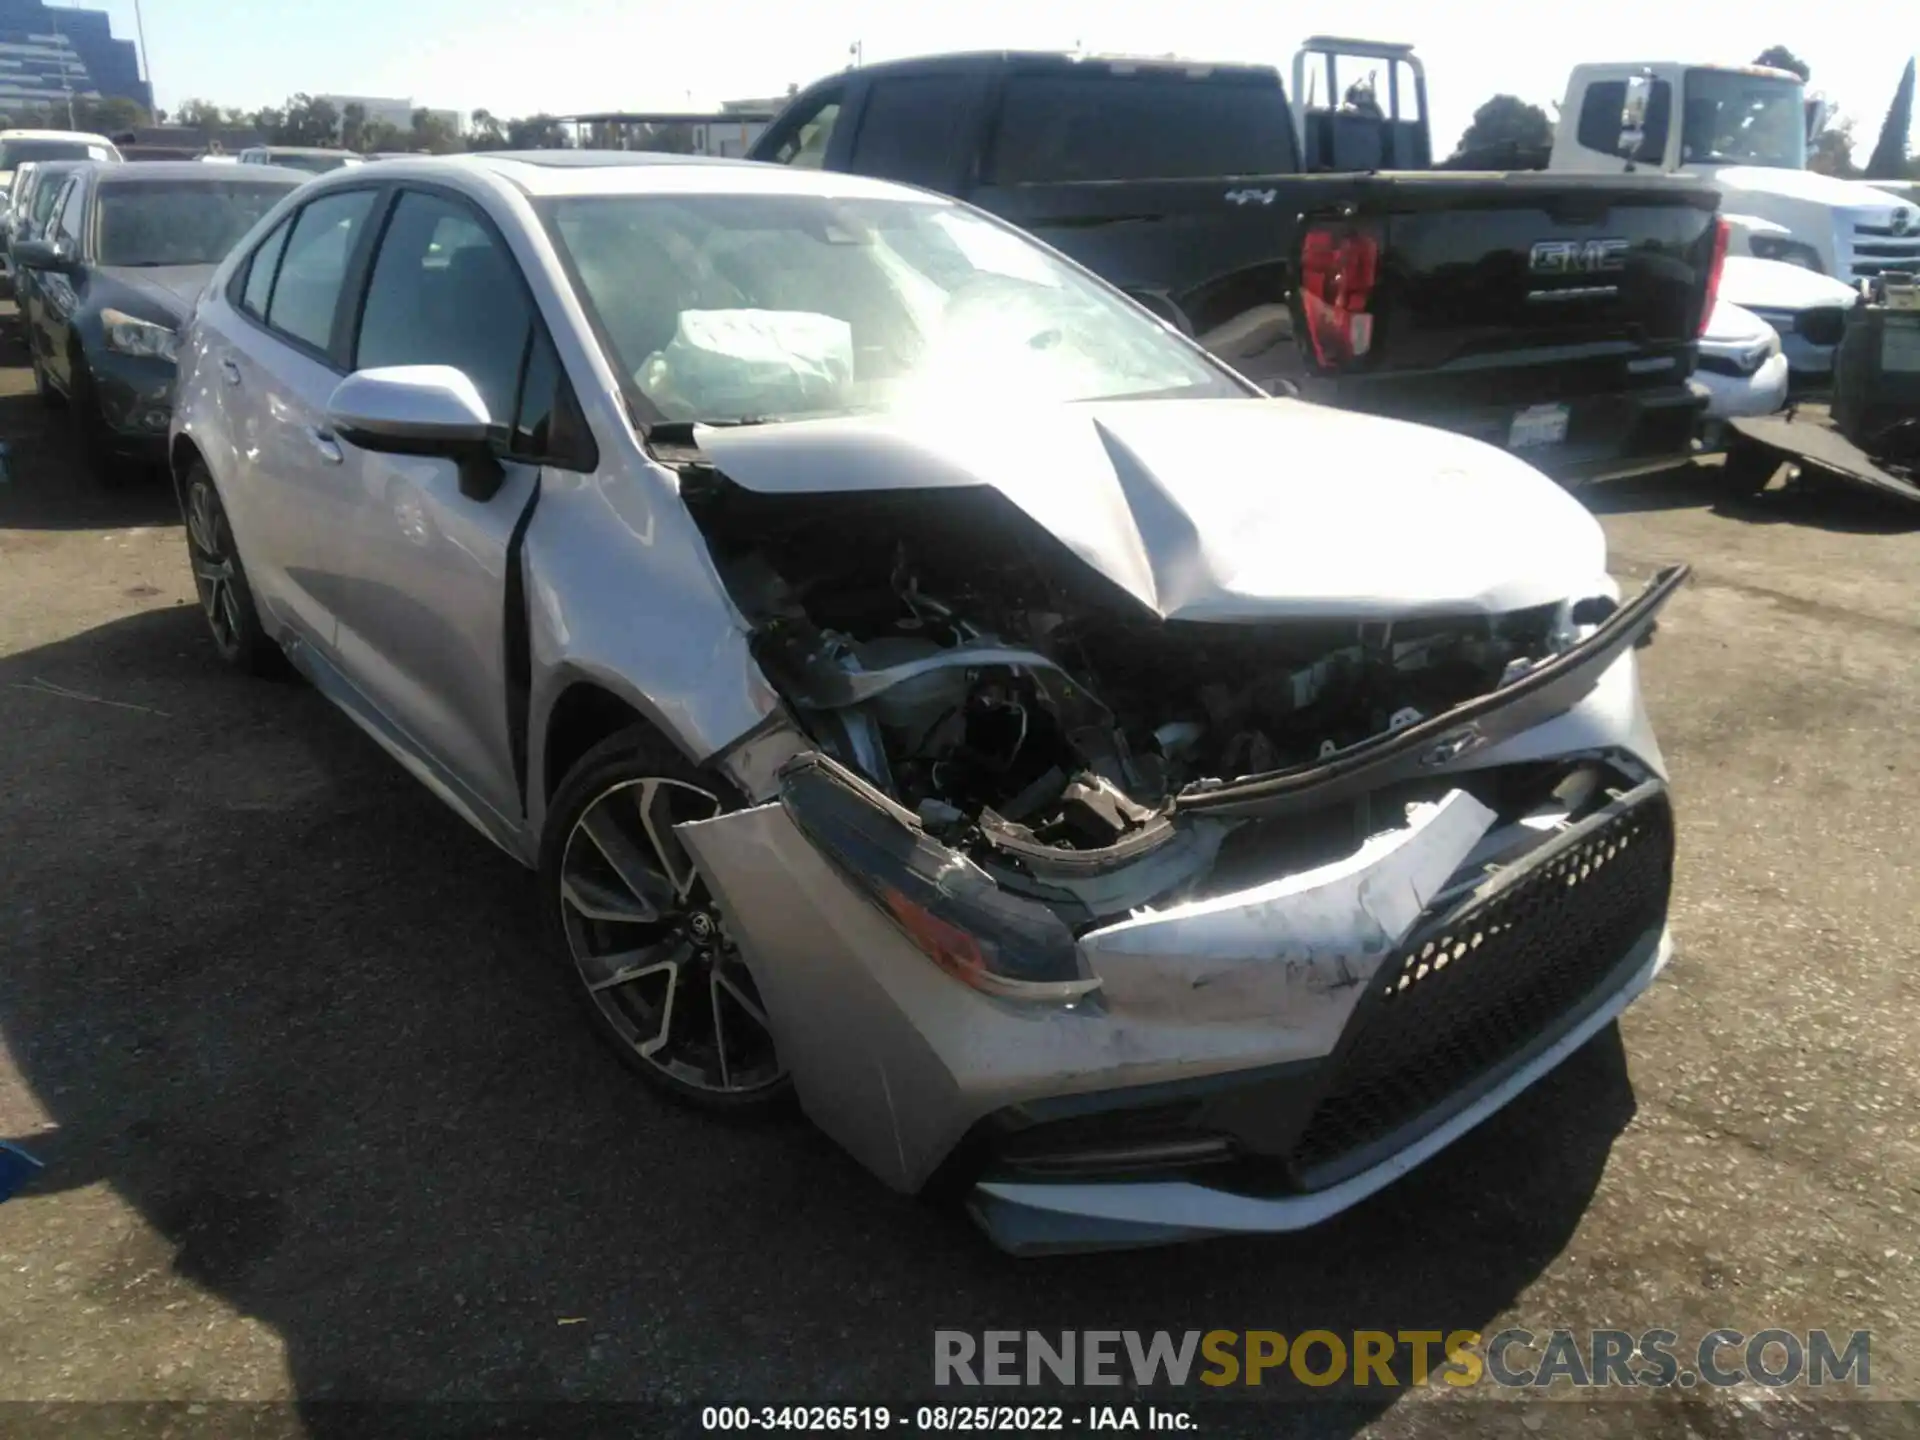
x=1239, y=1067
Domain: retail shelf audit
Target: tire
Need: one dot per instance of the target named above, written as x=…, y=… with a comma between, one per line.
x=1748, y=468
x=226, y=599
x=677, y=1004
x=96, y=443
x=42, y=385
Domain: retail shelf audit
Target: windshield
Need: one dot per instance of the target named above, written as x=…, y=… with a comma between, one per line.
x=312, y=164
x=730, y=308
x=179, y=222
x=15, y=153
x=1737, y=119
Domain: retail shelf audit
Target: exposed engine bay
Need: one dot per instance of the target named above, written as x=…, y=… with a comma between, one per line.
x=969, y=666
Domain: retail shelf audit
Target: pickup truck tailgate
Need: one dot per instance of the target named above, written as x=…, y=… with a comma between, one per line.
x=1551, y=315
x=1560, y=283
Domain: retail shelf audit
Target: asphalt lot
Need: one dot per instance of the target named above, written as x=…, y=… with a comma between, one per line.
x=320, y=1123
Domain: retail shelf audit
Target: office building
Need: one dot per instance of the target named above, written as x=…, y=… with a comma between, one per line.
x=49, y=52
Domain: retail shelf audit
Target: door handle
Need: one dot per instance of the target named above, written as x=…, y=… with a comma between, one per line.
x=231, y=371
x=324, y=442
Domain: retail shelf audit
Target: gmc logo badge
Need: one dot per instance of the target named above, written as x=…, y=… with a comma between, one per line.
x=1577, y=257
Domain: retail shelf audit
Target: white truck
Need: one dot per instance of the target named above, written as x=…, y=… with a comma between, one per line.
x=1745, y=129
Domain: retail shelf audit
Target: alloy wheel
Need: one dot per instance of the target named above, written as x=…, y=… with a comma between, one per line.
x=210, y=546
x=651, y=947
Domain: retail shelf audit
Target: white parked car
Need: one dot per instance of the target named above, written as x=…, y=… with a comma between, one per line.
x=1806, y=309
x=1742, y=368
x=923, y=679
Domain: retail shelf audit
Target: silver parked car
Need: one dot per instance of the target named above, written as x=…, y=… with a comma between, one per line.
x=925, y=681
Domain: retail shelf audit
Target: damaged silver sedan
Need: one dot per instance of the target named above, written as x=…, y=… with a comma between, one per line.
x=929, y=686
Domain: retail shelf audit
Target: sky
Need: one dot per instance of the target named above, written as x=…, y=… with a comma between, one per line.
x=515, y=57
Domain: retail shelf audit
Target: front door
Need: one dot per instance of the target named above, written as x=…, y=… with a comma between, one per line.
x=422, y=630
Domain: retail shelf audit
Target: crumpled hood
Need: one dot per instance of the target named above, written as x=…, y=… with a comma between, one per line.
x=1224, y=509
x=1732, y=330
x=1808, y=186
x=172, y=287
x=1776, y=285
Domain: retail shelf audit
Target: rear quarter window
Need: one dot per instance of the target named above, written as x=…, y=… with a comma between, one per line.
x=911, y=128
x=1099, y=126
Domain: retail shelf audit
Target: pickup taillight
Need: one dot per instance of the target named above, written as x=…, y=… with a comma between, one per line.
x=1339, y=266
x=1714, y=267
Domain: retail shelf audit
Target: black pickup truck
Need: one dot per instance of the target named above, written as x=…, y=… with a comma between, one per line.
x=1552, y=315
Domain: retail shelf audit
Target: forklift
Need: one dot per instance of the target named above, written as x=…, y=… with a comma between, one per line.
x=1867, y=433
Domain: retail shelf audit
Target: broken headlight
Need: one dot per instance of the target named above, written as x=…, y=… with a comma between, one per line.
x=130, y=335
x=997, y=943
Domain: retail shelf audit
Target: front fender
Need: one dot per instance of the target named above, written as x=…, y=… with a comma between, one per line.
x=623, y=594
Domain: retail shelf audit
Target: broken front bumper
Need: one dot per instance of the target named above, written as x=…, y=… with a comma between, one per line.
x=1254, y=1061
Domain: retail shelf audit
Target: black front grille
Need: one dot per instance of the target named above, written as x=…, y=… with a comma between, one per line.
x=1472, y=989
x=1822, y=325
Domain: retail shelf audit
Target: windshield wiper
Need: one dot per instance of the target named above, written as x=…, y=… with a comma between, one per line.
x=680, y=432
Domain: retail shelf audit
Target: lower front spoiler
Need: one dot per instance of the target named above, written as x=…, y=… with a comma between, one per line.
x=1027, y=1218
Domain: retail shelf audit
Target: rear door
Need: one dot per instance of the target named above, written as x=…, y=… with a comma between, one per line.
x=422, y=625
x=921, y=128
x=58, y=294
x=277, y=371
x=1173, y=183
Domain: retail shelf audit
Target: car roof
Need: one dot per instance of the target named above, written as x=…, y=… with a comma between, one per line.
x=1052, y=62
x=135, y=172
x=635, y=172
x=83, y=136
x=301, y=150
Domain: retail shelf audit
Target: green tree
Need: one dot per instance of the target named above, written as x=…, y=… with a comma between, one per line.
x=1780, y=57
x=353, y=127
x=1506, y=120
x=307, y=121
x=433, y=134
x=484, y=132
x=377, y=136
x=536, y=132
x=201, y=114
x=108, y=114
x=1889, y=159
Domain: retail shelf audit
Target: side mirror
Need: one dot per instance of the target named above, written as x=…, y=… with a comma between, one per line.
x=43, y=255
x=1817, y=113
x=420, y=410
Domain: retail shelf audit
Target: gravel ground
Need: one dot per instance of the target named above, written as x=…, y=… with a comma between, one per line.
x=321, y=1125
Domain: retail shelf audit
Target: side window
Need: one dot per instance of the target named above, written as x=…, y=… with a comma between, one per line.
x=1627, y=117
x=261, y=268
x=910, y=128
x=1601, y=111
x=313, y=266
x=548, y=424
x=805, y=147
x=50, y=211
x=445, y=292
x=73, y=204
